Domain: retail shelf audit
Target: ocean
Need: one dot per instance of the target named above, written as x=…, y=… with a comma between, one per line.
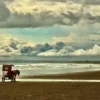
x=53, y=68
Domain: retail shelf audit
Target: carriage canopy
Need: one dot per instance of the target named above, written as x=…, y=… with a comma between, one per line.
x=7, y=67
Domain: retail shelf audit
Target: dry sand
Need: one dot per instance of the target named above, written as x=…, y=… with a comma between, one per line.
x=52, y=91
x=49, y=91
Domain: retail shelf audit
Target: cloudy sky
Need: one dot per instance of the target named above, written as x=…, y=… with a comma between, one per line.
x=50, y=27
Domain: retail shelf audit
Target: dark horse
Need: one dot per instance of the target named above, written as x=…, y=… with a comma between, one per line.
x=12, y=74
x=15, y=72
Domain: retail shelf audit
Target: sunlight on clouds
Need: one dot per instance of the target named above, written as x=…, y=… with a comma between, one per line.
x=70, y=51
x=52, y=52
x=5, y=53
x=93, y=10
x=94, y=51
x=77, y=38
x=29, y=43
x=72, y=37
x=11, y=46
x=26, y=6
x=4, y=39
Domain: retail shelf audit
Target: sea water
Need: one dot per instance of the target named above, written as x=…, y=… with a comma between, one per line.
x=53, y=68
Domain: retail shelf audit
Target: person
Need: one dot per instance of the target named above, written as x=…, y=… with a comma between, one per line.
x=13, y=68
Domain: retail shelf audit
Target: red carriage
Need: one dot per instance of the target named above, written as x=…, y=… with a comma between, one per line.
x=9, y=73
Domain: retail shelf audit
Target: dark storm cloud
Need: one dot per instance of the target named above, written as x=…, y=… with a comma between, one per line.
x=13, y=45
x=59, y=46
x=20, y=20
x=4, y=12
x=93, y=2
x=7, y=49
x=74, y=18
x=50, y=13
x=42, y=19
x=28, y=50
x=41, y=48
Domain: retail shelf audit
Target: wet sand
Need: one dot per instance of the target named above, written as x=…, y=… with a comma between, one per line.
x=49, y=91
x=81, y=75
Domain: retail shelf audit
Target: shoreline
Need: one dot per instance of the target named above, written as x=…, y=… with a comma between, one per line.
x=79, y=75
x=50, y=61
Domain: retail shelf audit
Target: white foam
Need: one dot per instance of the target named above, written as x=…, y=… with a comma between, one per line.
x=55, y=80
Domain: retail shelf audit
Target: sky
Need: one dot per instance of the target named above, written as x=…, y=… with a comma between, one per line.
x=49, y=27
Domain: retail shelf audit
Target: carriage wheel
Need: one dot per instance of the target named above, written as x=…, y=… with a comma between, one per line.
x=3, y=79
x=13, y=79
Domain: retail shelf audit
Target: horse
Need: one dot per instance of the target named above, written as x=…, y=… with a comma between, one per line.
x=15, y=72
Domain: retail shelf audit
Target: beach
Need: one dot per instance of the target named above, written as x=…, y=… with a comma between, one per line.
x=49, y=91
x=95, y=75
x=53, y=90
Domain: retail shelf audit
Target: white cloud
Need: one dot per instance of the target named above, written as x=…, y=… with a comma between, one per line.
x=72, y=37
x=29, y=6
x=52, y=52
x=94, y=51
x=4, y=39
x=67, y=50
x=93, y=10
x=78, y=38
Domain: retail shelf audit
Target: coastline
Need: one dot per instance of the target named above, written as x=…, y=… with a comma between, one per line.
x=78, y=75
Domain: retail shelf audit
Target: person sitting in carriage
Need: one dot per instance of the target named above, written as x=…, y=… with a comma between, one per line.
x=12, y=72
